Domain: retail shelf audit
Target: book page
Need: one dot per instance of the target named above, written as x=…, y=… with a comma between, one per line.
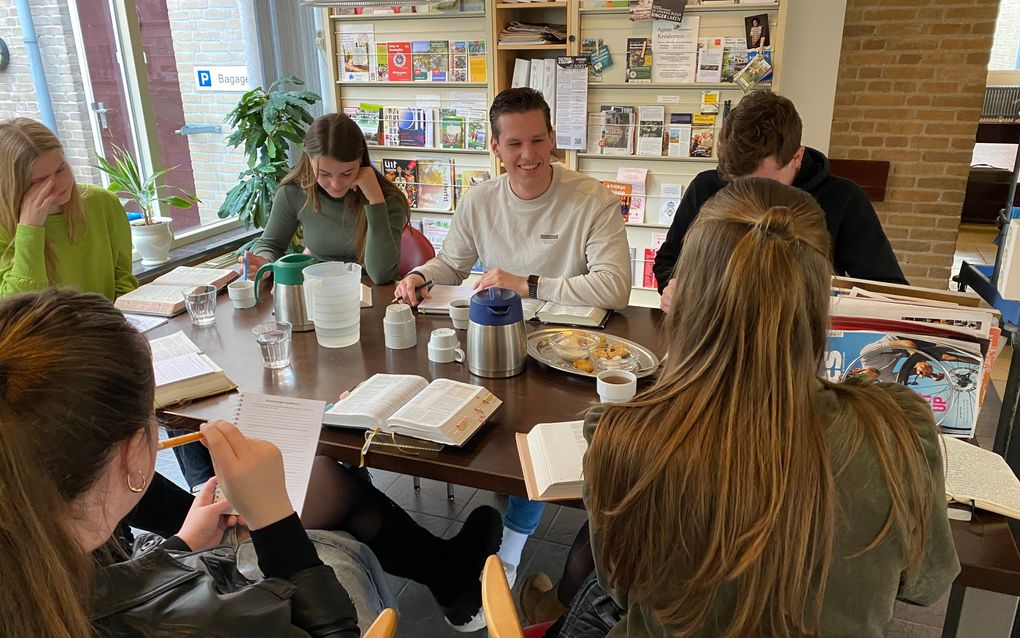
x=377, y=398
x=292, y=425
x=441, y=298
x=436, y=404
x=557, y=452
x=144, y=323
x=560, y=310
x=174, y=345
x=973, y=474
x=531, y=307
x=189, y=276
x=156, y=293
x=186, y=366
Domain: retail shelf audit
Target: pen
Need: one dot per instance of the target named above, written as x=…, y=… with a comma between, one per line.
x=180, y=440
x=244, y=274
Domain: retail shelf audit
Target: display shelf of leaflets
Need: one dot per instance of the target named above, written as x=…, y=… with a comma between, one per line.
x=669, y=166
x=420, y=91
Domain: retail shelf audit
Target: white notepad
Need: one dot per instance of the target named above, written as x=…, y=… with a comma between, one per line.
x=292, y=425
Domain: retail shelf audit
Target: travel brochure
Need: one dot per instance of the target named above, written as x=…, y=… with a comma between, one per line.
x=363, y=59
x=432, y=184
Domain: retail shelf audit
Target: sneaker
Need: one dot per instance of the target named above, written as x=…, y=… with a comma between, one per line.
x=474, y=623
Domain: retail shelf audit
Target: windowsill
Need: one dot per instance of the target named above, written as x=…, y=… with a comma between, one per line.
x=197, y=252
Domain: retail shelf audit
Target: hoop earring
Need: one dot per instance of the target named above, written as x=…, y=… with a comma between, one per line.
x=139, y=488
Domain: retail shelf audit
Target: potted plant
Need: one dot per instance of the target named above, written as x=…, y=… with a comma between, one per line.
x=151, y=235
x=266, y=123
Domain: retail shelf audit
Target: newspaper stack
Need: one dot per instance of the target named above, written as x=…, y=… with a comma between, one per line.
x=527, y=33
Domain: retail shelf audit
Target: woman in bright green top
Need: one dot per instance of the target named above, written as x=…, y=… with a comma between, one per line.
x=348, y=209
x=54, y=232
x=743, y=494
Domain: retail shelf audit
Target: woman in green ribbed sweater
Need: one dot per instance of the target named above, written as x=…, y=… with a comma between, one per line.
x=348, y=209
x=743, y=494
x=54, y=232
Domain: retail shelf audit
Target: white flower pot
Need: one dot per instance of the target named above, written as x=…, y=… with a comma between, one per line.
x=153, y=241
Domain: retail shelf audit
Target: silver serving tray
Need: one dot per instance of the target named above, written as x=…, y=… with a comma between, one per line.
x=539, y=350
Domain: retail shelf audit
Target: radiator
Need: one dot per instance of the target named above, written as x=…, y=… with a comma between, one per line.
x=1001, y=103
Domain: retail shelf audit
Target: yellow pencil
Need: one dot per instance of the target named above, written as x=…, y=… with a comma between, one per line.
x=180, y=440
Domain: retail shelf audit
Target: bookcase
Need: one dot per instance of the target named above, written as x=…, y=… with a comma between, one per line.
x=585, y=20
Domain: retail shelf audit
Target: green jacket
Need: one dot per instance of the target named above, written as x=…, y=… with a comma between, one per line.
x=329, y=234
x=860, y=591
x=99, y=261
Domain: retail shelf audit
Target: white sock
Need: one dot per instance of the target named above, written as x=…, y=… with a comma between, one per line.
x=512, y=546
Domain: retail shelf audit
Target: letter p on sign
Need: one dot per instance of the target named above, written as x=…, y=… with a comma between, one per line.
x=204, y=78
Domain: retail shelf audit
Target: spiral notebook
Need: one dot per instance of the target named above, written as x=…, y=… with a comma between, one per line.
x=290, y=424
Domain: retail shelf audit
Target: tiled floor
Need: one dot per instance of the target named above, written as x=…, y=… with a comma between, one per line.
x=547, y=549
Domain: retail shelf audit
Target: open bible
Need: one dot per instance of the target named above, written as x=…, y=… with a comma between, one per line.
x=163, y=296
x=183, y=372
x=980, y=478
x=551, y=459
x=444, y=411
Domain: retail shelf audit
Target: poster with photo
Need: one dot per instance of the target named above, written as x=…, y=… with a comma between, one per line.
x=756, y=31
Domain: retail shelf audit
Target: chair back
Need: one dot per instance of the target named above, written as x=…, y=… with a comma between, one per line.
x=385, y=625
x=497, y=602
x=415, y=250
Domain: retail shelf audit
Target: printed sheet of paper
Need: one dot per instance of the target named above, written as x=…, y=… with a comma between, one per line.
x=571, y=102
x=636, y=178
x=669, y=197
x=676, y=50
x=292, y=425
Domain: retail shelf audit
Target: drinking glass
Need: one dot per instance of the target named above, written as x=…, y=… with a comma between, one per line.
x=201, y=304
x=273, y=338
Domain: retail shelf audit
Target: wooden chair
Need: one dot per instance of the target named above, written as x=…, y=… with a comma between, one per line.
x=498, y=603
x=385, y=625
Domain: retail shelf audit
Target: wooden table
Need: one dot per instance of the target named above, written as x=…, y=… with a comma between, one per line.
x=489, y=460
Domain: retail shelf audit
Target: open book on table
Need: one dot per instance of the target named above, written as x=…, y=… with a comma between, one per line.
x=440, y=297
x=980, y=478
x=549, y=312
x=163, y=297
x=551, y=460
x=183, y=372
x=444, y=411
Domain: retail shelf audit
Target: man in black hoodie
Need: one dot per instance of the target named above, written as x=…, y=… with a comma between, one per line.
x=761, y=138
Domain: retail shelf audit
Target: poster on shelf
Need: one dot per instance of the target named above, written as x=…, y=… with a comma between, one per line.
x=357, y=52
x=571, y=102
x=669, y=197
x=676, y=50
x=672, y=10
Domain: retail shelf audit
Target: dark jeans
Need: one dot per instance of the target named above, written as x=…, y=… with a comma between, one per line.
x=591, y=615
x=194, y=460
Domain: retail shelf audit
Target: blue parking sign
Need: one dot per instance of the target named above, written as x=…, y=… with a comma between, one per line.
x=204, y=78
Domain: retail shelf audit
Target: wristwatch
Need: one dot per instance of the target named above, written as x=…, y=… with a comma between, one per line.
x=533, y=286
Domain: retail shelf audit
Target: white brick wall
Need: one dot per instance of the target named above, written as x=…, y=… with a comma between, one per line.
x=60, y=61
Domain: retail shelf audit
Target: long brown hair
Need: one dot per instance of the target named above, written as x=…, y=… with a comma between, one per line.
x=337, y=136
x=22, y=141
x=75, y=380
x=720, y=475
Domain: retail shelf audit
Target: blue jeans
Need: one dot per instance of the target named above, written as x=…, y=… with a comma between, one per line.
x=522, y=515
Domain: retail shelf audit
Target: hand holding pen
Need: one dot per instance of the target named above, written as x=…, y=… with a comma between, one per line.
x=410, y=291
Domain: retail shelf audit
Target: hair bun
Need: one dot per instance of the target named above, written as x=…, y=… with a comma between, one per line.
x=778, y=222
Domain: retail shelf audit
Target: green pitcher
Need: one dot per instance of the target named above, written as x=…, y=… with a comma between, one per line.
x=289, y=293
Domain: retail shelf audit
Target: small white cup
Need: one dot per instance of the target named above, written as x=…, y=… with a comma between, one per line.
x=399, y=312
x=444, y=338
x=242, y=293
x=399, y=329
x=445, y=355
x=460, y=310
x=616, y=386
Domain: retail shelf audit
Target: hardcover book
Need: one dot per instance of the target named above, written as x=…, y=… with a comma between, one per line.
x=162, y=297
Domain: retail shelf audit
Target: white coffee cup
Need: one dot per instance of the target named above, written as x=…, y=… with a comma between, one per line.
x=616, y=386
x=444, y=347
x=242, y=293
x=460, y=310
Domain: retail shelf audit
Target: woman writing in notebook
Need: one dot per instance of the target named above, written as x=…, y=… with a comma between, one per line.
x=349, y=211
x=743, y=494
x=54, y=232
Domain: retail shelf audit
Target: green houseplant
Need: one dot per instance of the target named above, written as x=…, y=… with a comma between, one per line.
x=265, y=122
x=151, y=235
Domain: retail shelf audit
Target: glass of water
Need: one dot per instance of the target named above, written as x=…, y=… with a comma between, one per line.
x=273, y=338
x=201, y=304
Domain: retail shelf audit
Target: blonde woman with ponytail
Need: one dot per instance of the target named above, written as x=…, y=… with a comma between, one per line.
x=742, y=494
x=54, y=232
x=348, y=209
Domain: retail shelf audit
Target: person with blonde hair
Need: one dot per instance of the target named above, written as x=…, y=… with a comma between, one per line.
x=53, y=231
x=348, y=209
x=743, y=494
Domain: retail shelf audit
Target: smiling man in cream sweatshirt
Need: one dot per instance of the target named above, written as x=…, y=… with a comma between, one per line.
x=541, y=230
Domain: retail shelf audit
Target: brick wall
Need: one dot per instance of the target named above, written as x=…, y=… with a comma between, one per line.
x=208, y=33
x=60, y=61
x=909, y=90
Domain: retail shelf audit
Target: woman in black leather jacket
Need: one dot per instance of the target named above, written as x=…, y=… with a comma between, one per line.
x=77, y=451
